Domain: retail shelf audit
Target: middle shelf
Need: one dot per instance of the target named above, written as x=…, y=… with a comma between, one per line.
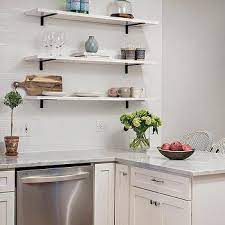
x=41, y=59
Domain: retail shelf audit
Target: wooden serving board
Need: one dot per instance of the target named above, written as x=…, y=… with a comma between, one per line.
x=34, y=85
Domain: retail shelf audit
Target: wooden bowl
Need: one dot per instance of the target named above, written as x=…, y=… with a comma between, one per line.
x=176, y=155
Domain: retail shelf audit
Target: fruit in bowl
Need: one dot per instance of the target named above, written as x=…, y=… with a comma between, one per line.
x=165, y=146
x=176, y=146
x=176, y=150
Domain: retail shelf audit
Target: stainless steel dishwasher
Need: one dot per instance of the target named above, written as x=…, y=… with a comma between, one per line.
x=55, y=196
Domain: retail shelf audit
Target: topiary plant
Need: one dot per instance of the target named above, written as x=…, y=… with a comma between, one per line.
x=12, y=99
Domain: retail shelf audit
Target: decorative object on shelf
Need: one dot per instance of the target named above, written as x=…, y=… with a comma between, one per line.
x=59, y=42
x=133, y=53
x=123, y=53
x=54, y=93
x=113, y=92
x=84, y=6
x=34, y=85
x=86, y=94
x=73, y=5
x=12, y=99
x=47, y=42
x=121, y=8
x=53, y=43
x=124, y=92
x=91, y=45
x=99, y=54
x=140, y=122
x=137, y=92
x=140, y=54
x=130, y=53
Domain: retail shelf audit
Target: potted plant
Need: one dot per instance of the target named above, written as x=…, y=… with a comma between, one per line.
x=12, y=100
x=140, y=122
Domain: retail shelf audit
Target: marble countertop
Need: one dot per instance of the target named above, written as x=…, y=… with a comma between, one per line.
x=197, y=165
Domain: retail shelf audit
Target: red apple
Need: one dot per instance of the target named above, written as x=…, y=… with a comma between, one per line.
x=165, y=146
x=186, y=147
x=176, y=146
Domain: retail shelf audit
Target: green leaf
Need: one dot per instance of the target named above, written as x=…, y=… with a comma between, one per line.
x=13, y=99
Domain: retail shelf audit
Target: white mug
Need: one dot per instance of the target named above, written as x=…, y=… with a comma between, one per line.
x=137, y=92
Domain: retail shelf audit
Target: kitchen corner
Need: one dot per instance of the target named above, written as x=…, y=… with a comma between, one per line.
x=111, y=112
x=176, y=187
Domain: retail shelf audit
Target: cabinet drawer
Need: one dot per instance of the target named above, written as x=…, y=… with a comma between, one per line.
x=160, y=182
x=7, y=181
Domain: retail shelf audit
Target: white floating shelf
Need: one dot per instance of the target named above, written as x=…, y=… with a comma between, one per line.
x=65, y=15
x=111, y=99
x=105, y=99
x=84, y=60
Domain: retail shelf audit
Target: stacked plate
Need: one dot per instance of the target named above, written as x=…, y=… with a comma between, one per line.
x=87, y=94
x=53, y=93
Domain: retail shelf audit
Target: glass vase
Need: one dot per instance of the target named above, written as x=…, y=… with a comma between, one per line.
x=140, y=143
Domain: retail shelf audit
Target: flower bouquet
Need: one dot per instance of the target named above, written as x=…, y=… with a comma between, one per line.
x=140, y=122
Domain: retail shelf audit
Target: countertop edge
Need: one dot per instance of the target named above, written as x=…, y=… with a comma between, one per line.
x=10, y=165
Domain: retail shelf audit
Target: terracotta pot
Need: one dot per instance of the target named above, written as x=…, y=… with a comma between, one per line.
x=11, y=144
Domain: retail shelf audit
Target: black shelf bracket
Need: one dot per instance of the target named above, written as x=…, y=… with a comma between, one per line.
x=131, y=25
x=43, y=18
x=41, y=63
x=41, y=104
x=127, y=104
x=127, y=67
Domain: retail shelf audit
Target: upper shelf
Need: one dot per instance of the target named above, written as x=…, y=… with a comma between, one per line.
x=64, y=15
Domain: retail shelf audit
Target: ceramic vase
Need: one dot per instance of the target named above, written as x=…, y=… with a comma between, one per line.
x=91, y=45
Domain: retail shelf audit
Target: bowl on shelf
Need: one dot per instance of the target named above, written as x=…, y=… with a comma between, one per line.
x=121, y=8
x=176, y=155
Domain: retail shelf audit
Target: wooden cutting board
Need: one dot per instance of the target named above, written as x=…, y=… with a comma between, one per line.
x=34, y=85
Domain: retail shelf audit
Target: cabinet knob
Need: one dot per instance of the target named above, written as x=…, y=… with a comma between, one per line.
x=124, y=173
x=157, y=181
x=151, y=202
x=157, y=204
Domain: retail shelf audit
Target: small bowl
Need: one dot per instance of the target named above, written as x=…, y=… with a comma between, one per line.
x=176, y=155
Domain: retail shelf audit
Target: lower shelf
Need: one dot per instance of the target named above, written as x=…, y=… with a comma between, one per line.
x=105, y=99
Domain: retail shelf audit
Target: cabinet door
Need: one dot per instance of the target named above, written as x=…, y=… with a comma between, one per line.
x=122, y=194
x=104, y=194
x=7, y=208
x=151, y=208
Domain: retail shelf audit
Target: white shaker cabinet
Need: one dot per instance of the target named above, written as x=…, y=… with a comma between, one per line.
x=104, y=194
x=7, y=197
x=122, y=194
x=151, y=208
x=7, y=208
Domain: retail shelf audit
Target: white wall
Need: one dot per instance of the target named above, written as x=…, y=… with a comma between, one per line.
x=72, y=125
x=194, y=66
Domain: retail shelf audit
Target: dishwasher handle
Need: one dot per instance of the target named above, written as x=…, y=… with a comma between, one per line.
x=53, y=179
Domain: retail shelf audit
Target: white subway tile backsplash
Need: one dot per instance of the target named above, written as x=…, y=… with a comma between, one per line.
x=62, y=126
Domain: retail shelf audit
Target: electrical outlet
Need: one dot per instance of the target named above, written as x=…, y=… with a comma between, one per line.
x=24, y=130
x=100, y=126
